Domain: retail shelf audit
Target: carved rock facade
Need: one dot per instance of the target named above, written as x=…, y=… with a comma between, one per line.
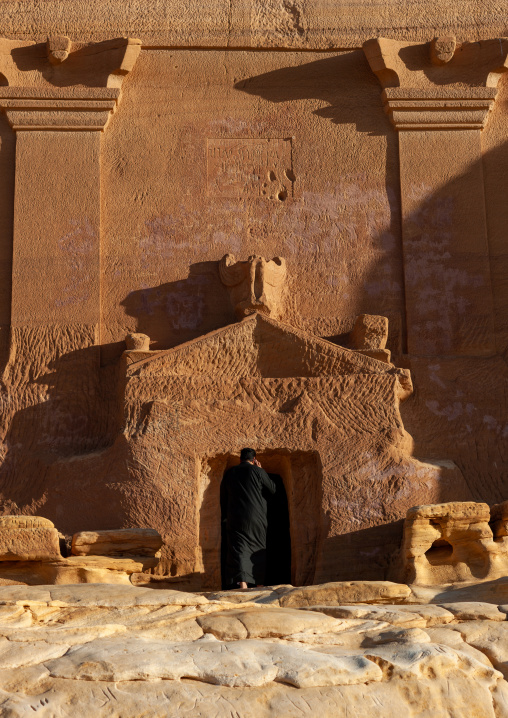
x=125, y=180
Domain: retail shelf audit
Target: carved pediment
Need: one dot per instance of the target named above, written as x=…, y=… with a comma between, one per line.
x=262, y=347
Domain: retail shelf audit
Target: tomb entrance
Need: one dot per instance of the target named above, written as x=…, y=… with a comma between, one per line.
x=294, y=516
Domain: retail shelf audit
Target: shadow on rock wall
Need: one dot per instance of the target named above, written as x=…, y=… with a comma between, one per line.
x=55, y=409
x=343, y=81
x=70, y=407
x=184, y=309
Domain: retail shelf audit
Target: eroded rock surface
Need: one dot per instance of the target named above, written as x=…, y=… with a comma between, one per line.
x=124, y=651
x=132, y=542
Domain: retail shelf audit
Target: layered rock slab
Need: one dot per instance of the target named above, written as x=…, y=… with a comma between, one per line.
x=133, y=542
x=116, y=651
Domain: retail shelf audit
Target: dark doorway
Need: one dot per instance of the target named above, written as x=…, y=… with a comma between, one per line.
x=278, y=540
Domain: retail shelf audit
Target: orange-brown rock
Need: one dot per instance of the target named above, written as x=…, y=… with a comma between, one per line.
x=76, y=569
x=134, y=542
x=28, y=538
x=342, y=164
x=453, y=542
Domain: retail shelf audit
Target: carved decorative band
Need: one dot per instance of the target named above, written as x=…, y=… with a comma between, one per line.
x=464, y=109
x=65, y=109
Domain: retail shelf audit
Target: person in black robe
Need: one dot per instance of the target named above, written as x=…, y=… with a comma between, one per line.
x=243, y=499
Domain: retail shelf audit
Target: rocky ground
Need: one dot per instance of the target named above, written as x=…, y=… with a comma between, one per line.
x=354, y=649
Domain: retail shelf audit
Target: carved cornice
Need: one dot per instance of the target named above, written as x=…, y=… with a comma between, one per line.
x=67, y=109
x=440, y=84
x=438, y=109
x=84, y=87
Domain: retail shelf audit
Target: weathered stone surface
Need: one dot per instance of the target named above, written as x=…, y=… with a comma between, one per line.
x=77, y=569
x=25, y=522
x=134, y=341
x=449, y=543
x=495, y=591
x=452, y=638
x=14, y=654
x=491, y=638
x=370, y=332
x=433, y=615
x=134, y=542
x=40, y=543
x=266, y=623
x=267, y=25
x=469, y=611
x=99, y=595
x=332, y=594
x=390, y=614
x=242, y=663
x=392, y=636
x=60, y=644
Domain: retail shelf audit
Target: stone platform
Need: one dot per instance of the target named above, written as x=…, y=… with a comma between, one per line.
x=341, y=649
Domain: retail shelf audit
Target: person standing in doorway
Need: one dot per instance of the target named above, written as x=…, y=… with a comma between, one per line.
x=243, y=500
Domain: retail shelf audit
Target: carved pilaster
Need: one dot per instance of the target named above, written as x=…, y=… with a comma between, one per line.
x=439, y=96
x=57, y=223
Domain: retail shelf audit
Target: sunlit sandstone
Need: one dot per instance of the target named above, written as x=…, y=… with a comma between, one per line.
x=270, y=224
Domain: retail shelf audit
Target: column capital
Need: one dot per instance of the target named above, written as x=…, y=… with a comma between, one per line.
x=440, y=84
x=69, y=108
x=72, y=87
x=439, y=108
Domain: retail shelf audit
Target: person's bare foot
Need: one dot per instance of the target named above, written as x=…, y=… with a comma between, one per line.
x=242, y=584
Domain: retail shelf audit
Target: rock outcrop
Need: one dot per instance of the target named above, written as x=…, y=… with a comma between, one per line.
x=121, y=542
x=122, y=652
x=30, y=553
x=454, y=542
x=28, y=538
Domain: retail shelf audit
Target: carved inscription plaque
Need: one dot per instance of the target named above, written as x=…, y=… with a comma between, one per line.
x=250, y=168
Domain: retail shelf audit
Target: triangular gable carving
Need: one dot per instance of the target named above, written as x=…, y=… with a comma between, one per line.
x=258, y=347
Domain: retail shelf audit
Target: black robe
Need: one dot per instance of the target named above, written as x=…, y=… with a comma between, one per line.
x=243, y=503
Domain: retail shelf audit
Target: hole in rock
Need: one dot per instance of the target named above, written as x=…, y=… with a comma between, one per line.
x=282, y=195
x=294, y=517
x=272, y=176
x=440, y=552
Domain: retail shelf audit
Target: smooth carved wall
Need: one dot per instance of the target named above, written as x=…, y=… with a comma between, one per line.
x=118, y=228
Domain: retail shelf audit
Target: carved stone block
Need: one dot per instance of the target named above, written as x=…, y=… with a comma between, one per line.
x=448, y=543
x=58, y=48
x=137, y=342
x=442, y=49
x=133, y=542
x=25, y=522
x=28, y=538
x=370, y=332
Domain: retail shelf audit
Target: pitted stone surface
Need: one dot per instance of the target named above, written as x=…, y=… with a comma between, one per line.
x=171, y=648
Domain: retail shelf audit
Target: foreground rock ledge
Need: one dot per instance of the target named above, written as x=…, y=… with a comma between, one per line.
x=122, y=651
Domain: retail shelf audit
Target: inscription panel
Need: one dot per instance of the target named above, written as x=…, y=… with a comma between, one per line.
x=250, y=168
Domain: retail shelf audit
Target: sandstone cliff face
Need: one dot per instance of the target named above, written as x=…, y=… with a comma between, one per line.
x=129, y=170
